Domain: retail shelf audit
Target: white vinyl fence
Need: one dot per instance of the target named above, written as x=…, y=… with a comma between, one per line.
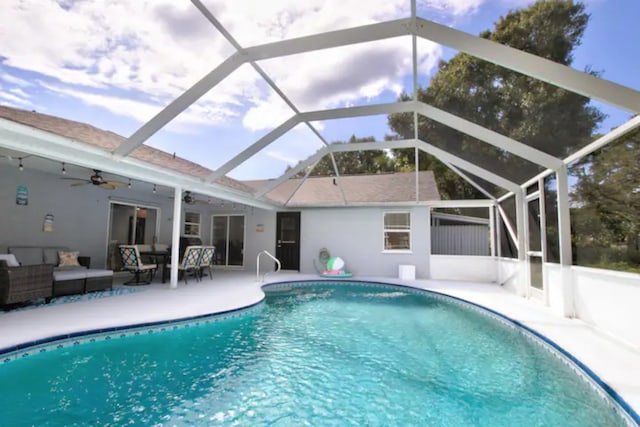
x=460, y=240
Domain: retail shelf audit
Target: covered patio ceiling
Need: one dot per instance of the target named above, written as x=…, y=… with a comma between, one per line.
x=119, y=160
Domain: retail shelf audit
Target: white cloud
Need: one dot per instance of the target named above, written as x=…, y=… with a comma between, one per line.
x=11, y=79
x=142, y=111
x=14, y=100
x=453, y=7
x=19, y=92
x=283, y=157
x=133, y=58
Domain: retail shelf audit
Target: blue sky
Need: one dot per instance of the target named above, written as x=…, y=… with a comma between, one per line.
x=116, y=67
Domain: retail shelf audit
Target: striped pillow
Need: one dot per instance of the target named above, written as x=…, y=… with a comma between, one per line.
x=68, y=259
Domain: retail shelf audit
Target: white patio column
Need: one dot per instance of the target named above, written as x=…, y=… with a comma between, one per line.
x=175, y=235
x=564, y=237
x=492, y=231
x=521, y=224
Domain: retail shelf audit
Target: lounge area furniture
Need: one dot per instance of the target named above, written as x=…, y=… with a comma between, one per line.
x=23, y=283
x=132, y=262
x=190, y=263
x=71, y=274
x=206, y=259
x=160, y=258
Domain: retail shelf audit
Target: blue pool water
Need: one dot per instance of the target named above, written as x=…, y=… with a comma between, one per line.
x=322, y=355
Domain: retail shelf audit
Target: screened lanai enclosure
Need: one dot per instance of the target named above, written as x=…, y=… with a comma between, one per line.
x=508, y=125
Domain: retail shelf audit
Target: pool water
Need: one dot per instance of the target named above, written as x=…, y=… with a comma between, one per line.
x=322, y=355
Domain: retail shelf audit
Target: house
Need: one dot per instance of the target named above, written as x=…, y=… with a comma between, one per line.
x=373, y=221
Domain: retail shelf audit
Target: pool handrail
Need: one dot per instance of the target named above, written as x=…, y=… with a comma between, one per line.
x=258, y=265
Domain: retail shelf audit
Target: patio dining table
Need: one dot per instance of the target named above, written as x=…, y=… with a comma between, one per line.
x=160, y=258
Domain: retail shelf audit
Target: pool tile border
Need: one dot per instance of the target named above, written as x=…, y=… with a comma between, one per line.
x=615, y=402
x=23, y=350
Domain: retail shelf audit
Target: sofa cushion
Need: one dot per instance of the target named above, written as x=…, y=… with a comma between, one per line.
x=51, y=255
x=98, y=273
x=73, y=267
x=27, y=255
x=68, y=259
x=62, y=275
x=10, y=259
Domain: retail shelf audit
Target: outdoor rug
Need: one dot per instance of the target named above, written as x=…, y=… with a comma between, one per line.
x=72, y=298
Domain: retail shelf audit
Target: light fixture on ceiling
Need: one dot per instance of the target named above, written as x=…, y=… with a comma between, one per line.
x=20, y=165
x=129, y=184
x=64, y=171
x=154, y=189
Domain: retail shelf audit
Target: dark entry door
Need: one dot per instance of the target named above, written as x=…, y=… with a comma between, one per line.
x=288, y=240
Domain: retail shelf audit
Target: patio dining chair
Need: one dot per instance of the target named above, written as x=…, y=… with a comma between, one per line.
x=207, y=259
x=190, y=263
x=132, y=262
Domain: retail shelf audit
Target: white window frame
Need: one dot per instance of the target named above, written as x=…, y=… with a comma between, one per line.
x=198, y=224
x=390, y=230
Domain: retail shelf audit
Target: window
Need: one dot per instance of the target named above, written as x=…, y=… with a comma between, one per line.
x=397, y=231
x=191, y=224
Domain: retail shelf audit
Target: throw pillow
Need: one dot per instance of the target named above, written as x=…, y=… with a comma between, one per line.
x=68, y=259
x=10, y=259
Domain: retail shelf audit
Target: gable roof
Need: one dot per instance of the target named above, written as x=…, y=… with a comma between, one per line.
x=108, y=141
x=378, y=188
x=315, y=191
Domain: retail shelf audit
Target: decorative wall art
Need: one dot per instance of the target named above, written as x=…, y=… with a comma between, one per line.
x=22, y=195
x=47, y=226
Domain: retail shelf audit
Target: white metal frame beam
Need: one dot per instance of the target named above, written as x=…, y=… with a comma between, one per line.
x=507, y=223
x=362, y=34
x=368, y=110
x=466, y=165
x=531, y=65
x=490, y=137
x=514, y=59
x=479, y=203
x=291, y=172
x=613, y=135
x=470, y=181
x=462, y=125
x=227, y=35
x=328, y=150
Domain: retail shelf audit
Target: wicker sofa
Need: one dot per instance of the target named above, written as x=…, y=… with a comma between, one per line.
x=24, y=283
x=65, y=280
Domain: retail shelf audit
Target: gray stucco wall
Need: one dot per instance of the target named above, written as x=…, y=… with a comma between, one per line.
x=82, y=219
x=355, y=235
x=82, y=215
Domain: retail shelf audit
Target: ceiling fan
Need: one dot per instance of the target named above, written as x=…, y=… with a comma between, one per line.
x=189, y=199
x=98, y=180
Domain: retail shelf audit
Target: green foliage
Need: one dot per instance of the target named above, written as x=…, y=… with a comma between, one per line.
x=354, y=162
x=525, y=109
x=607, y=199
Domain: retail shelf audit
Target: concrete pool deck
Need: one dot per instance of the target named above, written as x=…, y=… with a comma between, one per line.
x=616, y=363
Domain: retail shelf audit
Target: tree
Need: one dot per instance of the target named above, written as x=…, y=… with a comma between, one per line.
x=528, y=110
x=607, y=196
x=354, y=162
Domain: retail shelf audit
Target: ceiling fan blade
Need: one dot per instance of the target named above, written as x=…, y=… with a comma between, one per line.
x=116, y=184
x=80, y=183
x=107, y=186
x=74, y=179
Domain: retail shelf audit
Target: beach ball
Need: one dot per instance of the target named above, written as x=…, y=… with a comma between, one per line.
x=335, y=263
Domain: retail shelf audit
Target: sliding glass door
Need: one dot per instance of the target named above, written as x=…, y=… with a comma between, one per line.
x=227, y=235
x=130, y=224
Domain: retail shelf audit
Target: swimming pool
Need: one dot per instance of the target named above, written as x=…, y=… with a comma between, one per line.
x=313, y=354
